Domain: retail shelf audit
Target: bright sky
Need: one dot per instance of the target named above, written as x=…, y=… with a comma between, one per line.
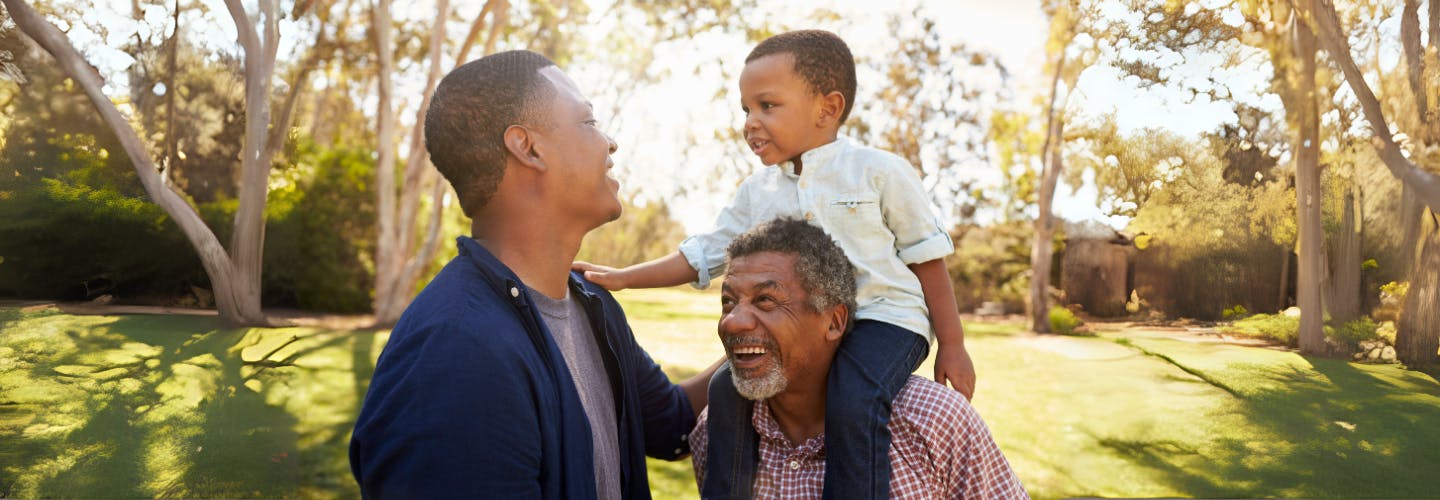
x=660, y=152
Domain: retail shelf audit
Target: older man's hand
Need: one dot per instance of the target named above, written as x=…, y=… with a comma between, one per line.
x=952, y=365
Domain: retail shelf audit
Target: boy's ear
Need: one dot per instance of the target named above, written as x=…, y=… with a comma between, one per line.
x=520, y=141
x=832, y=105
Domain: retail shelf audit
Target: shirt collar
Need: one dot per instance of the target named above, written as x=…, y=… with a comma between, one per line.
x=769, y=430
x=816, y=158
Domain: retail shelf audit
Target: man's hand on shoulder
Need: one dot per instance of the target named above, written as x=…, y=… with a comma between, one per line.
x=607, y=277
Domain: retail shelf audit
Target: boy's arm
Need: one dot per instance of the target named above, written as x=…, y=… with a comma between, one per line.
x=669, y=270
x=952, y=362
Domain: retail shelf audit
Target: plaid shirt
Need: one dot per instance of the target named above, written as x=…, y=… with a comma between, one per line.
x=939, y=449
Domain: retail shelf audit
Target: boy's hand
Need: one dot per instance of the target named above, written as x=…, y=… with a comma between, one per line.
x=607, y=277
x=952, y=363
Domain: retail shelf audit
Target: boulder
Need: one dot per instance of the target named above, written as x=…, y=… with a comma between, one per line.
x=1387, y=353
x=1292, y=312
x=1374, y=354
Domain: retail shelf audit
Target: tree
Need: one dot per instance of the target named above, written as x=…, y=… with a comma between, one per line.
x=1068, y=19
x=234, y=275
x=1418, y=335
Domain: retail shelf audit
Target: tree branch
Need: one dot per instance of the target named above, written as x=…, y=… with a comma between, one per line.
x=1320, y=14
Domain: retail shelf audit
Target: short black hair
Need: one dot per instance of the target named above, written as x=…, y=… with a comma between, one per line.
x=821, y=58
x=469, y=112
x=825, y=273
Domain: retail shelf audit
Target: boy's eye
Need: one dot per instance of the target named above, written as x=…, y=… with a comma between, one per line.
x=767, y=105
x=745, y=109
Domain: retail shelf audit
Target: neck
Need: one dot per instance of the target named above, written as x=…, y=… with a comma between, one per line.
x=540, y=258
x=799, y=411
x=827, y=139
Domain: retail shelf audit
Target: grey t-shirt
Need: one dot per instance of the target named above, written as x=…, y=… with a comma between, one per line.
x=572, y=332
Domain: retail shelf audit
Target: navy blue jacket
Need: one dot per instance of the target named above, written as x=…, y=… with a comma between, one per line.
x=472, y=399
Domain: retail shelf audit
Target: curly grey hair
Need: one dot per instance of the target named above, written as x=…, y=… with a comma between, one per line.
x=825, y=272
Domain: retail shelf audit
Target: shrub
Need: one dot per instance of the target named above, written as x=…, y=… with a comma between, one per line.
x=1277, y=327
x=1353, y=332
x=1236, y=312
x=1063, y=321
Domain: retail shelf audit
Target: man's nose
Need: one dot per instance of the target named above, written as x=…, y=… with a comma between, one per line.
x=613, y=146
x=740, y=319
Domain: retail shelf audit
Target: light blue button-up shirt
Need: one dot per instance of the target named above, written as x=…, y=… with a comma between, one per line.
x=870, y=201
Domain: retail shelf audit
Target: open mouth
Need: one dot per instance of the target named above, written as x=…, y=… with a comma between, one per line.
x=759, y=145
x=746, y=356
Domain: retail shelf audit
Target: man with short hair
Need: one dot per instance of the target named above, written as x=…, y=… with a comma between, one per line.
x=788, y=299
x=509, y=376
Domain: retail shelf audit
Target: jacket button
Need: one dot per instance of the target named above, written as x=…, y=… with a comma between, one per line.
x=679, y=451
x=514, y=292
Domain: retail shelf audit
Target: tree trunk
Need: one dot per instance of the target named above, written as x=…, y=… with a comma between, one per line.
x=1283, y=297
x=1343, y=292
x=236, y=302
x=1307, y=192
x=387, y=259
x=1416, y=337
x=1041, y=249
x=405, y=260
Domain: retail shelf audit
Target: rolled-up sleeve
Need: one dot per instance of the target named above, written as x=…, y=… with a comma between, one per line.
x=706, y=252
x=919, y=236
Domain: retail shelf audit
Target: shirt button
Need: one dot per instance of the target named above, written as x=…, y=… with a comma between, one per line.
x=809, y=215
x=794, y=465
x=679, y=451
x=514, y=292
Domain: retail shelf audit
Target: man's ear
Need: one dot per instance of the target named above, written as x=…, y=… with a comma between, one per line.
x=831, y=106
x=839, y=322
x=520, y=142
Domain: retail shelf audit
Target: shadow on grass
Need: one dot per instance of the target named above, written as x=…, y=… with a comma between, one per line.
x=143, y=406
x=1316, y=428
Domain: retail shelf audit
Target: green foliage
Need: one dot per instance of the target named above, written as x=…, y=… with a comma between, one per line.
x=321, y=234
x=642, y=233
x=992, y=264
x=1352, y=332
x=1236, y=312
x=70, y=241
x=1062, y=321
x=1278, y=327
x=66, y=239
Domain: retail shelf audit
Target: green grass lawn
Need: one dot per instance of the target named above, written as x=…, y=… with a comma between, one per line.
x=174, y=406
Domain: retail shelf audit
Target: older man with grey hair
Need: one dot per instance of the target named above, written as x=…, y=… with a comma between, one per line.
x=788, y=300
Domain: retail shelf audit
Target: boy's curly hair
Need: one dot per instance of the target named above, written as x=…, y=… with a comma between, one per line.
x=821, y=58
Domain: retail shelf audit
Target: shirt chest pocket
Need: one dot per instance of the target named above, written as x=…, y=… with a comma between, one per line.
x=857, y=215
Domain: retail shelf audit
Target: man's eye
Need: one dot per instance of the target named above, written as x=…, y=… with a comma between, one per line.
x=592, y=122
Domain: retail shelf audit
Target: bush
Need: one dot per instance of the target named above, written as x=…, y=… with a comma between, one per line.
x=1063, y=321
x=1237, y=312
x=1277, y=327
x=1353, y=332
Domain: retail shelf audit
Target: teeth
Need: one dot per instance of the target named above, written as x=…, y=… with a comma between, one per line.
x=749, y=350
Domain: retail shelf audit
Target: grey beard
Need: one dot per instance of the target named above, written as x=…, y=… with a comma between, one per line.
x=762, y=387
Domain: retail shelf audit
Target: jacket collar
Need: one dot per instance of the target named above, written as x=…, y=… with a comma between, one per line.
x=504, y=281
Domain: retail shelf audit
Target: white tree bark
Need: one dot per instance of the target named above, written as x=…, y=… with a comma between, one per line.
x=236, y=302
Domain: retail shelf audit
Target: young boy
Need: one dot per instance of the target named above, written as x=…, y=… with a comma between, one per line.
x=797, y=88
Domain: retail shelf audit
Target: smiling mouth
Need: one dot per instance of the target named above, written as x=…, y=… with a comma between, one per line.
x=747, y=356
x=758, y=145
